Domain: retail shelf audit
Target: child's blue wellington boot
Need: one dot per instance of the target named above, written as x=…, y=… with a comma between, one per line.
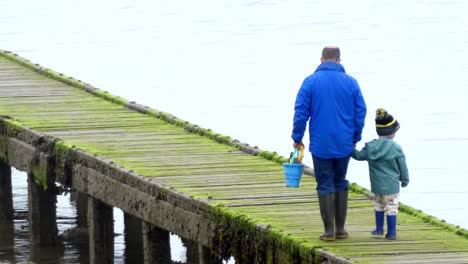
x=379, y=221
x=391, y=227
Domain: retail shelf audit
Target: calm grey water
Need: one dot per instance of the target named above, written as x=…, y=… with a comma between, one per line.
x=235, y=67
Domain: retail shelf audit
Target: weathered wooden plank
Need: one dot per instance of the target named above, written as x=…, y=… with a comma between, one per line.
x=418, y=258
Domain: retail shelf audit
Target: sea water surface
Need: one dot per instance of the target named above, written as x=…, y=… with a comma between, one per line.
x=235, y=67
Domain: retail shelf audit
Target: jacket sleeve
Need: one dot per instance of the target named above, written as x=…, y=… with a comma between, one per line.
x=301, y=112
x=404, y=175
x=360, y=155
x=360, y=111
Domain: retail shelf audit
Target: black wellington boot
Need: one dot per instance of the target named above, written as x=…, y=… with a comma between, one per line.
x=341, y=210
x=327, y=210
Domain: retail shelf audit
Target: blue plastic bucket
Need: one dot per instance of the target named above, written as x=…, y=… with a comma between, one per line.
x=293, y=174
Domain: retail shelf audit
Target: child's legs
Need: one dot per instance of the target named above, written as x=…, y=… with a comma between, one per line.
x=379, y=207
x=392, y=203
x=392, y=211
x=379, y=203
x=386, y=203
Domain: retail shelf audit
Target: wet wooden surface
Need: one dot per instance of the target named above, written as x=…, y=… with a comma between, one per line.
x=204, y=168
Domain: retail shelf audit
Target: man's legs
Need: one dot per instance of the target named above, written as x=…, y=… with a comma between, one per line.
x=324, y=175
x=341, y=195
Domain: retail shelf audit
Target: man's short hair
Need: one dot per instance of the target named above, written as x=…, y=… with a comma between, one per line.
x=331, y=53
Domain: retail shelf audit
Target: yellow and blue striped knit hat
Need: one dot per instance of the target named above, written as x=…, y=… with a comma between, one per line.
x=385, y=123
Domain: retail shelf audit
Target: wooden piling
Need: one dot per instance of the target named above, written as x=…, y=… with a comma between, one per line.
x=7, y=241
x=81, y=204
x=199, y=254
x=207, y=256
x=156, y=244
x=46, y=254
x=42, y=214
x=192, y=252
x=6, y=195
x=101, y=232
x=133, y=239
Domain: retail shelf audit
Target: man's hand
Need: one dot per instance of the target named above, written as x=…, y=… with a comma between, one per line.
x=404, y=184
x=298, y=144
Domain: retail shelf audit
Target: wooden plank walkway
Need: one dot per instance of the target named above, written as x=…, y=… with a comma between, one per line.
x=200, y=165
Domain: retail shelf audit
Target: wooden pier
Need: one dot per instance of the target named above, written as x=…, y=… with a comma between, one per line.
x=228, y=197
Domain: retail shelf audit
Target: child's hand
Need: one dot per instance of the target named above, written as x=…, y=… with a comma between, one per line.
x=404, y=184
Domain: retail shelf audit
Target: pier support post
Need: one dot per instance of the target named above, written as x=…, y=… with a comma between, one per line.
x=6, y=195
x=80, y=200
x=207, y=257
x=47, y=254
x=101, y=232
x=7, y=241
x=42, y=213
x=133, y=239
x=156, y=244
x=81, y=204
x=193, y=252
x=198, y=254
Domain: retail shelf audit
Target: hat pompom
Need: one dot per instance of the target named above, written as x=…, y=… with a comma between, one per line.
x=385, y=123
x=380, y=113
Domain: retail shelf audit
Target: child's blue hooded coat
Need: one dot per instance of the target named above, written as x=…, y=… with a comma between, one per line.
x=387, y=165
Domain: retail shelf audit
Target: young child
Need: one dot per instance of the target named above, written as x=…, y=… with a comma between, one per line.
x=387, y=168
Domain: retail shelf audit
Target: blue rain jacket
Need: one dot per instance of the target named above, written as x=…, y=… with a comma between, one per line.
x=333, y=103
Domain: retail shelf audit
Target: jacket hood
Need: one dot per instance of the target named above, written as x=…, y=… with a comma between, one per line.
x=384, y=148
x=330, y=66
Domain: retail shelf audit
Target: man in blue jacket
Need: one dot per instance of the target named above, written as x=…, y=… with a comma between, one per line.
x=332, y=102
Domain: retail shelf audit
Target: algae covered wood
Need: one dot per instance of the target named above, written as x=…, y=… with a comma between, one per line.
x=203, y=164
